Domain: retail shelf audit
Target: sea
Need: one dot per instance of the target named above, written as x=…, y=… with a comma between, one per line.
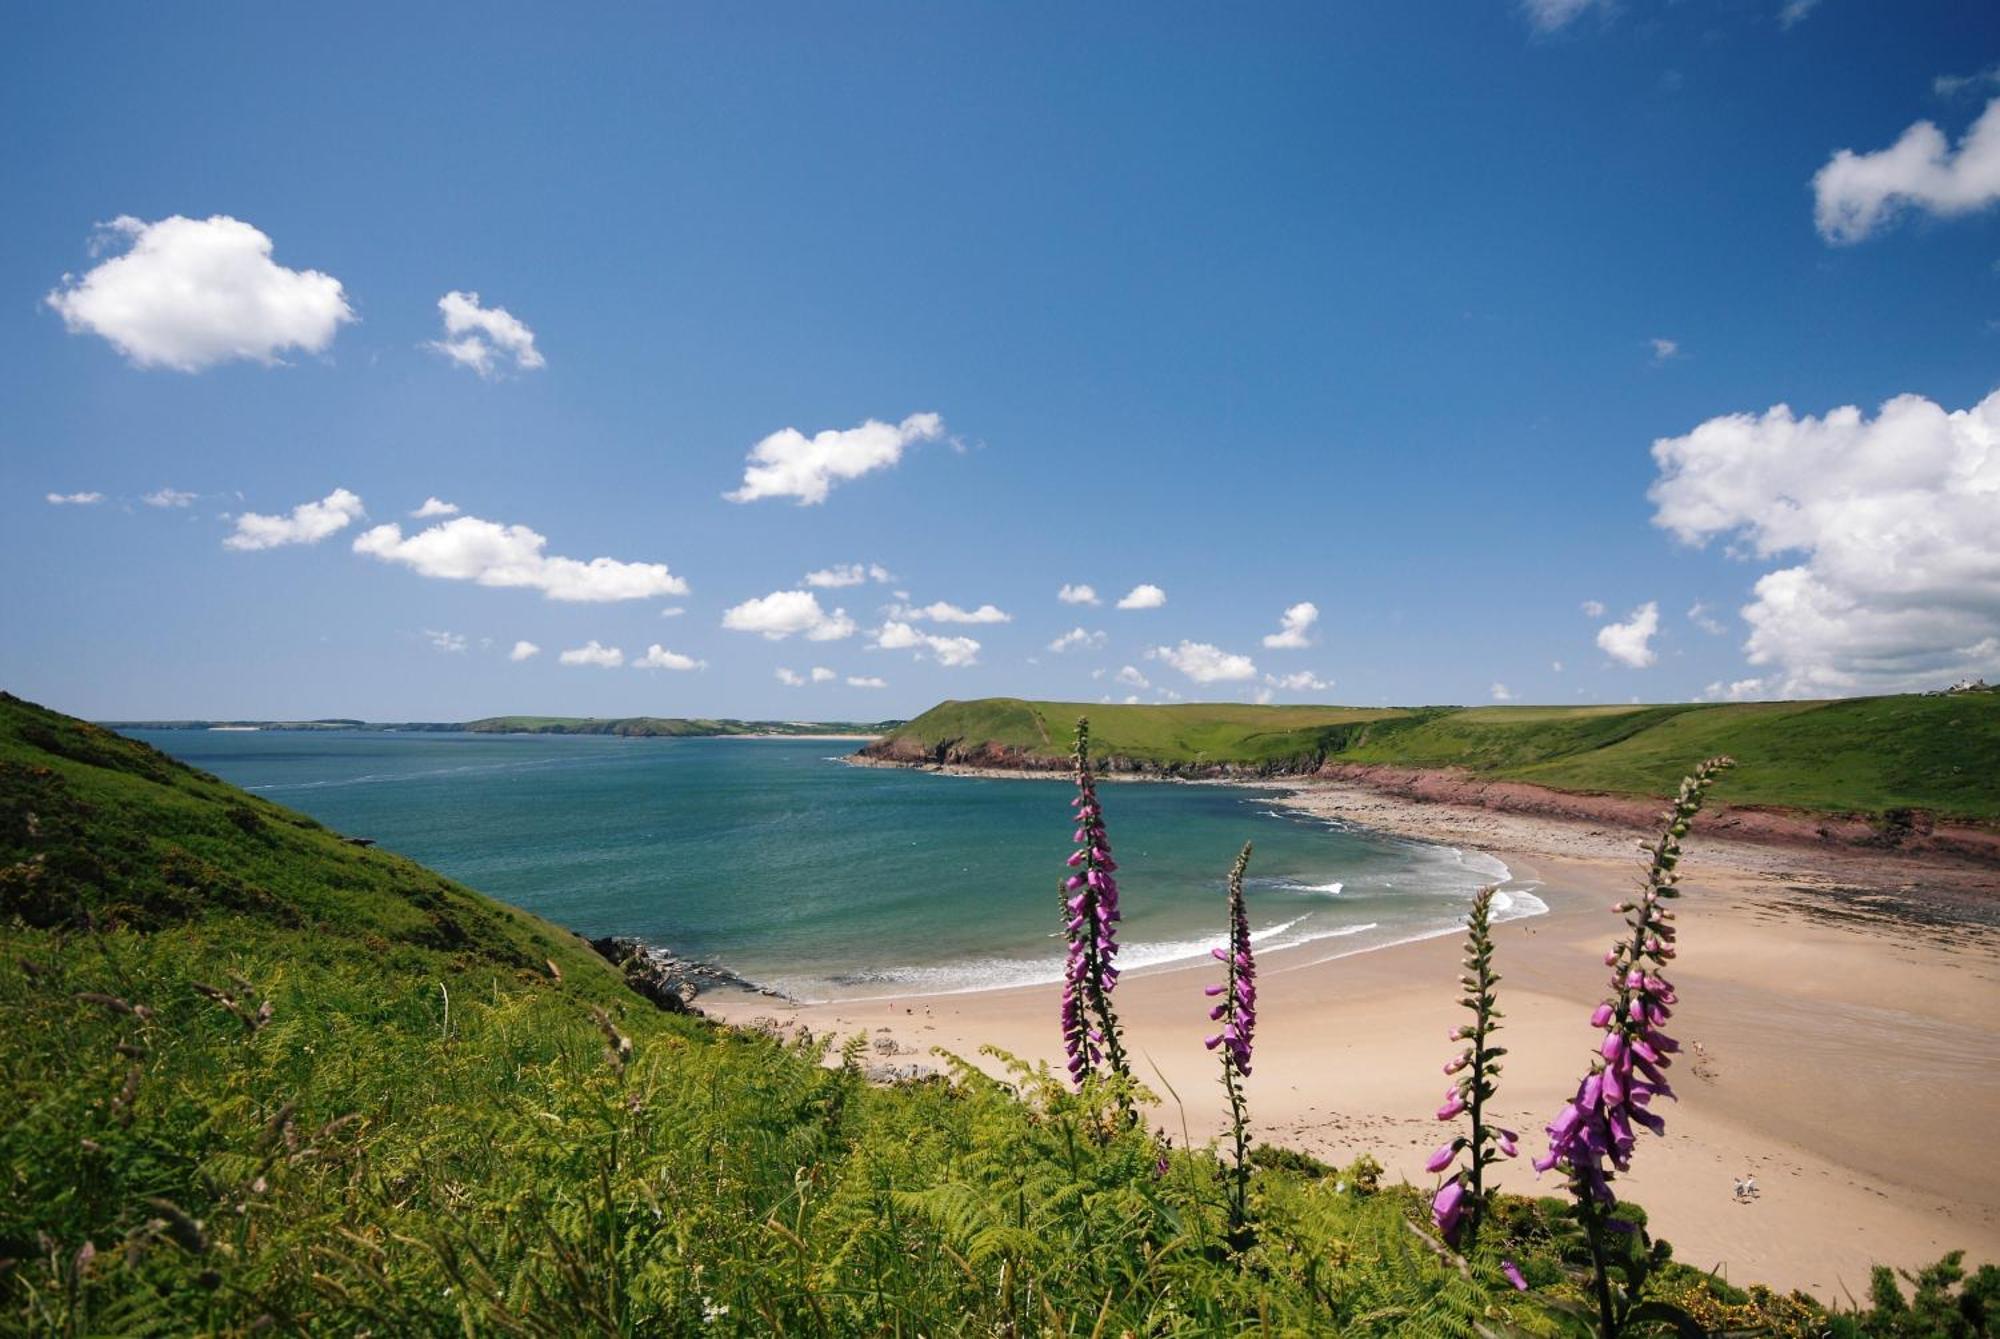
x=783, y=863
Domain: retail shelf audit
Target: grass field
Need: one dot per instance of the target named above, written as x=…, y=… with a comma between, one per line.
x=1856, y=755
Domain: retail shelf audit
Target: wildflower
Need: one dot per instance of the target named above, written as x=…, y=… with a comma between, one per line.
x=1237, y=1012
x=1595, y=1127
x=1461, y=1200
x=1090, y=917
x=1513, y=1273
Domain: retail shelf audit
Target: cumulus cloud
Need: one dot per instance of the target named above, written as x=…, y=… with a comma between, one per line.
x=1856, y=193
x=672, y=611
x=951, y=652
x=1739, y=690
x=467, y=548
x=435, y=507
x=524, y=650
x=1205, y=663
x=1501, y=692
x=1132, y=678
x=1143, y=596
x=1629, y=643
x=1701, y=617
x=1078, y=595
x=1078, y=639
x=791, y=678
x=941, y=612
x=849, y=574
x=484, y=338
x=1593, y=608
x=594, y=654
x=790, y=464
x=1302, y=681
x=659, y=657
x=1890, y=519
x=783, y=613
x=168, y=497
x=445, y=641
x=308, y=523
x=74, y=499
x=866, y=681
x=189, y=293
x=1951, y=85
x=1294, y=627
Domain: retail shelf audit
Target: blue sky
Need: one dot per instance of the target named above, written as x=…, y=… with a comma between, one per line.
x=1351, y=306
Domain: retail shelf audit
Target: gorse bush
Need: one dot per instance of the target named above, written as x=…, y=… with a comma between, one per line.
x=260, y=1081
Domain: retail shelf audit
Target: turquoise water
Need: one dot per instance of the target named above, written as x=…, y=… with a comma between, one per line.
x=777, y=860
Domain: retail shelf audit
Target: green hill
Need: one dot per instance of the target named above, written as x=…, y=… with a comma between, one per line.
x=1939, y=753
x=260, y=1080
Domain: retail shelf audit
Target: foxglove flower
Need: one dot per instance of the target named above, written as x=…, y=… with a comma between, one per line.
x=1594, y=1132
x=1461, y=1201
x=1236, y=1010
x=1090, y=918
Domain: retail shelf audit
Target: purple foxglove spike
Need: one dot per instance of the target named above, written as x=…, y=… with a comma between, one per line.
x=1508, y=1142
x=1213, y=990
x=1451, y=1108
x=1613, y=1047
x=1588, y=1094
x=1448, y=1208
x=1442, y=1158
x=1601, y=1016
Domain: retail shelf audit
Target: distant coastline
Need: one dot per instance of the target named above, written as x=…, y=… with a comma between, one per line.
x=644, y=727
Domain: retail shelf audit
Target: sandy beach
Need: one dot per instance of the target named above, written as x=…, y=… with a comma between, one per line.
x=1837, y=1018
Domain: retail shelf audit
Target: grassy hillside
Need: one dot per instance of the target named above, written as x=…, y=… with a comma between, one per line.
x=260, y=1080
x=1865, y=755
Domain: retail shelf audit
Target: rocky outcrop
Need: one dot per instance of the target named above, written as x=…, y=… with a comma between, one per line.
x=671, y=982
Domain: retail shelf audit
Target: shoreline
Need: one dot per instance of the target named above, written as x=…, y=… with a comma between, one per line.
x=1838, y=1012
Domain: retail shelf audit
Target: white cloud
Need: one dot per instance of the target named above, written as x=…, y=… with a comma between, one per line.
x=593, y=654
x=1143, y=596
x=821, y=674
x=1301, y=681
x=866, y=681
x=481, y=338
x=167, y=497
x=1892, y=520
x=1078, y=595
x=951, y=652
x=1556, y=665
x=1132, y=678
x=1700, y=615
x=1078, y=639
x=790, y=464
x=1951, y=85
x=1665, y=350
x=790, y=678
x=941, y=612
x=784, y=612
x=435, y=507
x=309, y=523
x=524, y=650
x=659, y=657
x=1295, y=627
x=445, y=641
x=1549, y=15
x=1795, y=11
x=75, y=499
x=672, y=611
x=1628, y=643
x=849, y=574
x=1593, y=608
x=1741, y=690
x=1856, y=193
x=190, y=293
x=1502, y=693
x=467, y=548
x=1205, y=663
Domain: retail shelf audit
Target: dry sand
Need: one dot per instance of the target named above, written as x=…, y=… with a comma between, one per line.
x=1838, y=1020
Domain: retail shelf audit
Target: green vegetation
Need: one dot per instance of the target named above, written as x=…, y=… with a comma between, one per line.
x=260, y=1080
x=1939, y=753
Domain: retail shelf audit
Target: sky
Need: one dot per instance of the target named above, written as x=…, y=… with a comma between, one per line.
x=826, y=361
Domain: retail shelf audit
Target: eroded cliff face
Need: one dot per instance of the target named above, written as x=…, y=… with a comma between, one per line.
x=1906, y=831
